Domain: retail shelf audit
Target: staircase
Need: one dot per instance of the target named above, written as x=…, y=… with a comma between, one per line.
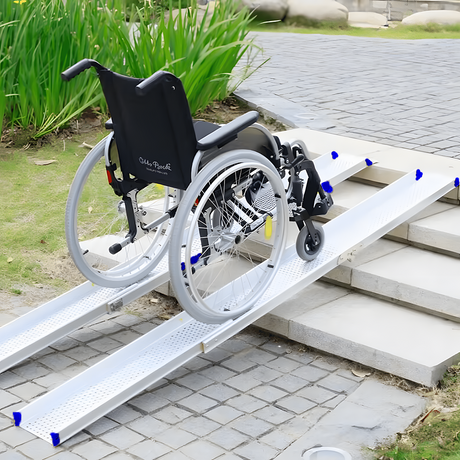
x=396, y=305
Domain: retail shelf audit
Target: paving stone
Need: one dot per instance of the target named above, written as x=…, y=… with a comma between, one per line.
x=148, y=426
x=338, y=384
x=223, y=414
x=94, y=450
x=234, y=345
x=31, y=371
x=195, y=381
x=227, y=438
x=198, y=403
x=52, y=380
x=65, y=456
x=122, y=437
x=264, y=374
x=178, y=373
x=78, y=439
x=57, y=362
x=296, y=404
x=243, y=382
x=175, y=456
x=316, y=394
x=119, y=456
x=107, y=327
x=202, y=450
x=172, y=415
x=9, y=379
x=218, y=373
x=101, y=426
x=278, y=440
x=199, y=426
x=27, y=391
x=173, y=392
x=290, y=383
x=310, y=373
x=246, y=403
x=274, y=347
x=259, y=356
x=7, y=399
x=334, y=402
x=196, y=364
x=38, y=449
x=13, y=456
x=326, y=365
x=217, y=355
x=81, y=353
x=15, y=436
x=257, y=450
x=126, y=337
x=268, y=393
x=176, y=438
x=283, y=364
x=123, y=414
x=74, y=370
x=238, y=364
x=104, y=344
x=219, y=392
x=127, y=320
x=148, y=402
x=273, y=415
x=250, y=425
x=149, y=450
x=85, y=335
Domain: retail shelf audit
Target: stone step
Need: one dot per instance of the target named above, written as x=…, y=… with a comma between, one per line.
x=373, y=332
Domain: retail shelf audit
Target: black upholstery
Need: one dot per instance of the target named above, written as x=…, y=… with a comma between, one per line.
x=155, y=134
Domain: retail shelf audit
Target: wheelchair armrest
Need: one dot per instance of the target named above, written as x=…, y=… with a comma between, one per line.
x=227, y=132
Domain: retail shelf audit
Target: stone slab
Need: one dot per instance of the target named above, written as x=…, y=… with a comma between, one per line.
x=422, y=279
x=362, y=419
x=381, y=335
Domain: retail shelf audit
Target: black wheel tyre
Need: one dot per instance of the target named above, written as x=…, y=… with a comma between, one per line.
x=305, y=244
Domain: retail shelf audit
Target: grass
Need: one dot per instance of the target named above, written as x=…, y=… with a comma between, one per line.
x=33, y=205
x=436, y=436
x=400, y=32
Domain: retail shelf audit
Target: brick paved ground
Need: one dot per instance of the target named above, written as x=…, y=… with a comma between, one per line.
x=404, y=93
x=248, y=399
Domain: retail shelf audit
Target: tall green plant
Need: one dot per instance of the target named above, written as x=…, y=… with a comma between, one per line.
x=202, y=53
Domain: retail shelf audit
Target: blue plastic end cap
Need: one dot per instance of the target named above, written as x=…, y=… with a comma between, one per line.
x=334, y=155
x=327, y=187
x=55, y=439
x=457, y=182
x=195, y=259
x=17, y=418
x=369, y=162
x=418, y=174
x=182, y=266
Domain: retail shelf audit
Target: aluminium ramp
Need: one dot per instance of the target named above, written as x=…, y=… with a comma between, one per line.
x=41, y=327
x=71, y=407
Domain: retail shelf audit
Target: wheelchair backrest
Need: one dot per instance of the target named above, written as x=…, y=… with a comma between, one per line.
x=154, y=132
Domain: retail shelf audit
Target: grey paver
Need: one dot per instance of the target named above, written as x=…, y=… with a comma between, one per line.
x=202, y=450
x=198, y=403
x=15, y=436
x=227, y=438
x=218, y=373
x=219, y=392
x=122, y=437
x=223, y=414
x=338, y=384
x=290, y=383
x=296, y=404
x=38, y=449
x=257, y=450
x=148, y=402
x=149, y=449
x=175, y=437
x=199, y=426
x=243, y=382
x=268, y=393
x=94, y=449
x=250, y=425
x=173, y=392
x=273, y=415
x=316, y=394
x=148, y=426
x=310, y=373
x=246, y=403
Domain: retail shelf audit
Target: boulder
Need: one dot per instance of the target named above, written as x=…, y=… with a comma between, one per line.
x=367, y=20
x=267, y=10
x=443, y=17
x=308, y=11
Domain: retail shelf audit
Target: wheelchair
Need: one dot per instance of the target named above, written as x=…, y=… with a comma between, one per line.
x=209, y=203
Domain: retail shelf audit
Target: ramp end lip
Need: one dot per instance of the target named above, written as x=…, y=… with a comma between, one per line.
x=17, y=416
x=55, y=438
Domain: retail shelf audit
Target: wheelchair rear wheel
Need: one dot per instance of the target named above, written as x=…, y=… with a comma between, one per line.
x=229, y=234
x=96, y=219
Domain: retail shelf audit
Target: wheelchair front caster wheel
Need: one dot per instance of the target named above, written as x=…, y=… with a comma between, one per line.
x=309, y=246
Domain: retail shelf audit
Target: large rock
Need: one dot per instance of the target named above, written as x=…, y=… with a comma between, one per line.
x=443, y=17
x=308, y=11
x=367, y=19
x=267, y=10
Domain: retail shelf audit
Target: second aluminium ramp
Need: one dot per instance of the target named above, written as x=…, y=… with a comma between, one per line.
x=68, y=409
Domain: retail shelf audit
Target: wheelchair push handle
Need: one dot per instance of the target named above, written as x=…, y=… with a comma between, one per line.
x=79, y=67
